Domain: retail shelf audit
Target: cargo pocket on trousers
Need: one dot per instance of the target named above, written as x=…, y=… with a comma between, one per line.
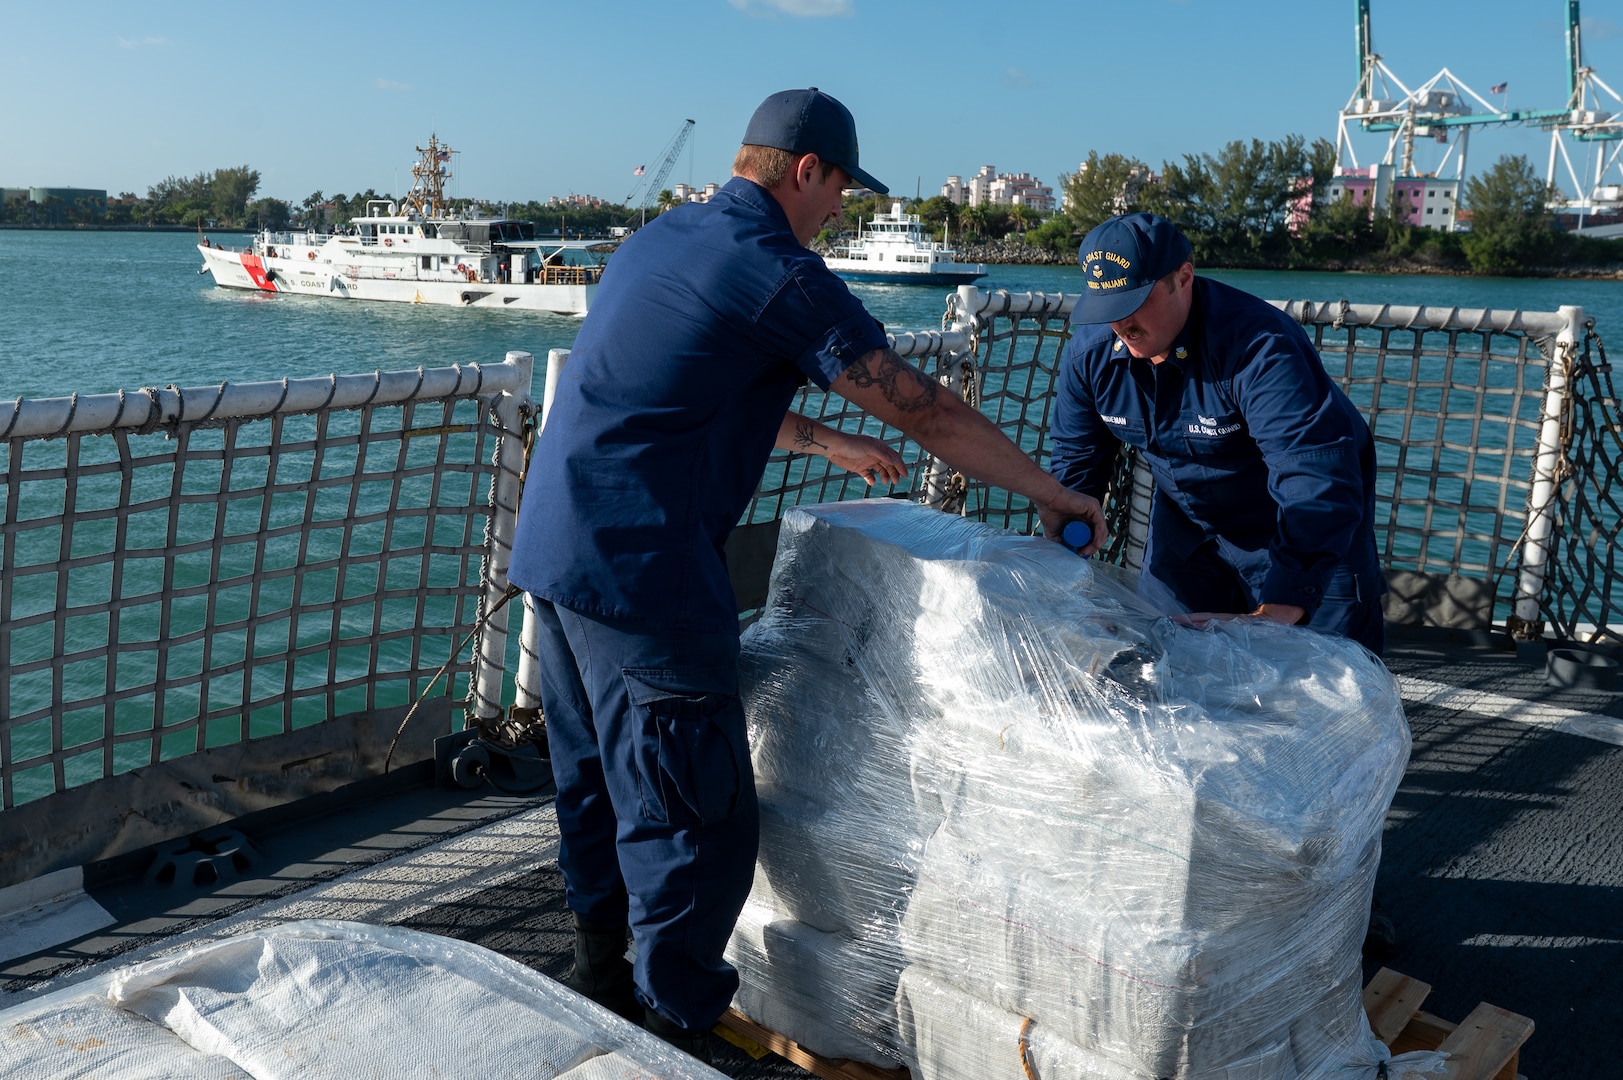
x=693, y=753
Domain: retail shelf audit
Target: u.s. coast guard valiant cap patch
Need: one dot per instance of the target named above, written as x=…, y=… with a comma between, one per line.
x=1122, y=259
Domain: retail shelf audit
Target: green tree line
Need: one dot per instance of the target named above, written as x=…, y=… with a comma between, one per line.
x=1247, y=205
x=1243, y=207
x=220, y=199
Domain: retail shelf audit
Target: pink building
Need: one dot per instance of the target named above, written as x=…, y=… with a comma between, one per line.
x=1428, y=202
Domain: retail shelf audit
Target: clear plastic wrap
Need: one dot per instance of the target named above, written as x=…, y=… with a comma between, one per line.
x=999, y=794
x=320, y=999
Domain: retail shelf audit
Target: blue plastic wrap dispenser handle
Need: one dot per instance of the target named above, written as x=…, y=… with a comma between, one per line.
x=1075, y=535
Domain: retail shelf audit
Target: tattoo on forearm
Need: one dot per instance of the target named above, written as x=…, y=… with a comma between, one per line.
x=903, y=385
x=803, y=436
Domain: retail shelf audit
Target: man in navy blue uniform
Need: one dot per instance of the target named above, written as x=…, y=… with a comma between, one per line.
x=706, y=324
x=1264, y=470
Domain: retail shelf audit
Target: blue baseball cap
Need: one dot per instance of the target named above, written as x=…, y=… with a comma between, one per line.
x=1122, y=258
x=810, y=122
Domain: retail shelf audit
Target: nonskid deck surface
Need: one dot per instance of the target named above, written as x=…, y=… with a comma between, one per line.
x=1502, y=865
x=1502, y=871
x=475, y=866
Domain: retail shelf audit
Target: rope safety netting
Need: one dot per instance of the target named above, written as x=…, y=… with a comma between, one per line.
x=173, y=585
x=177, y=577
x=1582, y=592
x=1457, y=400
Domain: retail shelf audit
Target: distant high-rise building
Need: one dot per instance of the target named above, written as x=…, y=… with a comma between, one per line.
x=988, y=187
x=688, y=193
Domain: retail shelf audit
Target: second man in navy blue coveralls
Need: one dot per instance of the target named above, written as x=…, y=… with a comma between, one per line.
x=706, y=324
x=1264, y=470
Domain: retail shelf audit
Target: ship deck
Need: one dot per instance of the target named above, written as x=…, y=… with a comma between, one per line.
x=1502, y=871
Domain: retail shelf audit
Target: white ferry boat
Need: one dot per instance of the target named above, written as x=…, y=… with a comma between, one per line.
x=895, y=249
x=416, y=254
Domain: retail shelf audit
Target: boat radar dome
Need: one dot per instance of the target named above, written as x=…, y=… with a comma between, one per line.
x=392, y=210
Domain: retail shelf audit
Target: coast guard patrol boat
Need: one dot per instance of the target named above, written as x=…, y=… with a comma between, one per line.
x=416, y=254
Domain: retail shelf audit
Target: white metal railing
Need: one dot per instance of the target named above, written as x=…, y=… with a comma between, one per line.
x=1471, y=413
x=1466, y=407
x=182, y=568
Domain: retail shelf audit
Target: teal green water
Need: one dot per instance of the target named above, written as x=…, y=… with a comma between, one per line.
x=100, y=312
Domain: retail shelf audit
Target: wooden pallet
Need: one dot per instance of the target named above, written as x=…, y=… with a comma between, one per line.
x=826, y=1068
x=1486, y=1045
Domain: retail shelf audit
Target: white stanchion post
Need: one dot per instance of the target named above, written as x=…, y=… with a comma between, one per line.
x=491, y=660
x=1541, y=498
x=937, y=480
x=528, y=677
x=529, y=661
x=556, y=359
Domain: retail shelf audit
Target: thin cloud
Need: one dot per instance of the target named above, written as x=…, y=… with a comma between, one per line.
x=1599, y=29
x=800, y=9
x=1015, y=77
x=142, y=43
x=385, y=84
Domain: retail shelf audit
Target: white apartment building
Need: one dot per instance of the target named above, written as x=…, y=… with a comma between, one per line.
x=1006, y=189
x=688, y=193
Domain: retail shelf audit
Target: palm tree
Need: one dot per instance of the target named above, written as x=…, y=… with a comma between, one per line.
x=311, y=205
x=975, y=217
x=1021, y=215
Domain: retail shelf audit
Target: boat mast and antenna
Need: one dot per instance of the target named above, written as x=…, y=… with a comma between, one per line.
x=429, y=174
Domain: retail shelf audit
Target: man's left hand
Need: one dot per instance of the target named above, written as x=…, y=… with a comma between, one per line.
x=868, y=458
x=1287, y=614
x=1284, y=614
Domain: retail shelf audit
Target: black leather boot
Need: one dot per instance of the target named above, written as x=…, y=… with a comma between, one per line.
x=695, y=1043
x=602, y=971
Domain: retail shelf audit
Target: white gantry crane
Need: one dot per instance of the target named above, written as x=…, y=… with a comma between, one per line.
x=1441, y=107
x=1444, y=108
x=1598, y=130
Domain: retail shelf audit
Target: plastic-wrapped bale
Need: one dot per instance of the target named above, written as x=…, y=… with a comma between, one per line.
x=328, y=999
x=816, y=948
x=830, y=992
x=955, y=1033
x=1164, y=858
x=839, y=843
x=1159, y=841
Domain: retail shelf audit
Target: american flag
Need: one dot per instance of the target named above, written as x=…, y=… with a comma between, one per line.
x=443, y=155
x=1498, y=88
x=639, y=170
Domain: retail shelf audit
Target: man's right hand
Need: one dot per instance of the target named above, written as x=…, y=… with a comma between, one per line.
x=1065, y=505
x=901, y=395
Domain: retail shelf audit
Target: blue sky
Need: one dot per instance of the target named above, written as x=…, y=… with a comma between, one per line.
x=549, y=98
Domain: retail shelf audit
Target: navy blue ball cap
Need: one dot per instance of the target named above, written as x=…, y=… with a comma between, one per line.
x=810, y=122
x=1122, y=259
